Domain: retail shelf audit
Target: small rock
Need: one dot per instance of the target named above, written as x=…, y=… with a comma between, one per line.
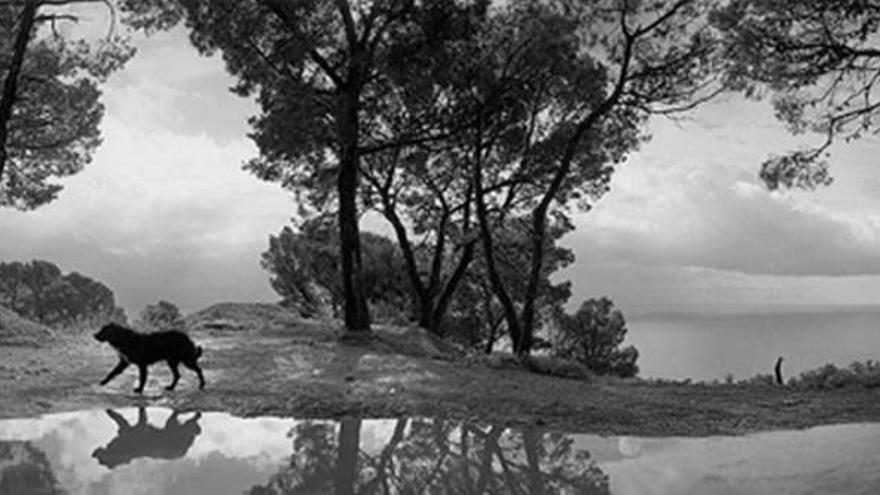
x=349, y=378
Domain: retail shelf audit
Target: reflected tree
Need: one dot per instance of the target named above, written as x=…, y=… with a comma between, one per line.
x=26, y=469
x=433, y=457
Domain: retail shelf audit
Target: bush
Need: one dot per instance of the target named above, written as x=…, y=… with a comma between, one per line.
x=593, y=337
x=161, y=316
x=556, y=366
x=858, y=374
x=543, y=364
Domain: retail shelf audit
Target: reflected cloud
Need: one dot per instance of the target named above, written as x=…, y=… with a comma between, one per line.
x=145, y=440
x=216, y=454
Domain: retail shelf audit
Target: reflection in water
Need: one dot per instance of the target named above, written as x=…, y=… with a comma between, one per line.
x=216, y=454
x=145, y=440
x=434, y=457
x=25, y=470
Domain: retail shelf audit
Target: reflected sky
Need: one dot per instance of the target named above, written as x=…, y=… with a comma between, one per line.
x=156, y=451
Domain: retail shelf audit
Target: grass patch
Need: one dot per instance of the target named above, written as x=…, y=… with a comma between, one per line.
x=541, y=364
x=861, y=374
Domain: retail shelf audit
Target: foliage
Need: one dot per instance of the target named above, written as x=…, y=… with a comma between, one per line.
x=433, y=457
x=593, y=336
x=50, y=107
x=476, y=319
x=26, y=469
x=161, y=316
x=821, y=61
x=858, y=374
x=39, y=290
x=320, y=71
x=545, y=144
x=306, y=271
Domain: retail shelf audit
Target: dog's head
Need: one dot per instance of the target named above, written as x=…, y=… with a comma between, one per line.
x=109, y=333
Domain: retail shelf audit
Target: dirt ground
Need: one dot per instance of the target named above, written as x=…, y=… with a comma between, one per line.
x=301, y=370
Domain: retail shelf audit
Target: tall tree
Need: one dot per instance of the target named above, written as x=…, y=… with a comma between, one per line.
x=50, y=104
x=318, y=70
x=423, y=194
x=476, y=316
x=612, y=65
x=821, y=61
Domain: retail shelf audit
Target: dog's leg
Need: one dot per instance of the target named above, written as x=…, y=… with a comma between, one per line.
x=115, y=371
x=117, y=418
x=142, y=378
x=175, y=373
x=193, y=365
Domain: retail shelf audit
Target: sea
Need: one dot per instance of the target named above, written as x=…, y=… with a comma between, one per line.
x=707, y=347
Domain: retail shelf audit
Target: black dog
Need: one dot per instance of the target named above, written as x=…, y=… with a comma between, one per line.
x=171, y=346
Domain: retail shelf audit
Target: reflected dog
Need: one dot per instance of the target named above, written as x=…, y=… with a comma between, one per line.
x=172, y=346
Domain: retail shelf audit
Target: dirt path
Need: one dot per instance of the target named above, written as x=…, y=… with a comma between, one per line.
x=302, y=371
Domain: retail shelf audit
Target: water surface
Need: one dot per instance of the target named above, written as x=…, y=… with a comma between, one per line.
x=155, y=451
x=709, y=347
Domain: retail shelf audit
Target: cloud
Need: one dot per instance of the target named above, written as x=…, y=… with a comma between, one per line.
x=692, y=198
x=168, y=84
x=161, y=213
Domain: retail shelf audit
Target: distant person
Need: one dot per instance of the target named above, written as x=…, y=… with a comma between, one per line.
x=778, y=370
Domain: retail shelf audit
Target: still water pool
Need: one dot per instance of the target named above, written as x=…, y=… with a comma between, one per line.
x=156, y=451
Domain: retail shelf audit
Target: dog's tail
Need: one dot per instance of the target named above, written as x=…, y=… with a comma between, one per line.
x=198, y=351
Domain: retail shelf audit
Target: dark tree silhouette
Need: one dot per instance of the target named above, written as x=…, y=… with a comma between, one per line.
x=24, y=469
x=821, y=61
x=593, y=337
x=434, y=457
x=319, y=70
x=50, y=104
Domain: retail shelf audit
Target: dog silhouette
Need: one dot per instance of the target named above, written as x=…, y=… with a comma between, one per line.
x=145, y=440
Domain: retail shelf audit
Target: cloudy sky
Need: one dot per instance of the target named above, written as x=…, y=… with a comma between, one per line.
x=164, y=211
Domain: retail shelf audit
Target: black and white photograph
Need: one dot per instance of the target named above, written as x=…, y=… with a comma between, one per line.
x=439, y=247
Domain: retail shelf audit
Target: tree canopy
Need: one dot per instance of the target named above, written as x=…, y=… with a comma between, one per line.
x=320, y=71
x=39, y=290
x=163, y=315
x=593, y=336
x=305, y=268
x=821, y=61
x=50, y=106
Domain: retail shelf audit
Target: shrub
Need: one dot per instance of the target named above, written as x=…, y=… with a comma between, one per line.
x=593, y=337
x=161, y=316
x=541, y=364
x=557, y=366
x=858, y=374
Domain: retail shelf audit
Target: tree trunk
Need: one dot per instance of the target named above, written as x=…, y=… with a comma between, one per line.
x=357, y=317
x=347, y=455
x=531, y=444
x=488, y=243
x=10, y=85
